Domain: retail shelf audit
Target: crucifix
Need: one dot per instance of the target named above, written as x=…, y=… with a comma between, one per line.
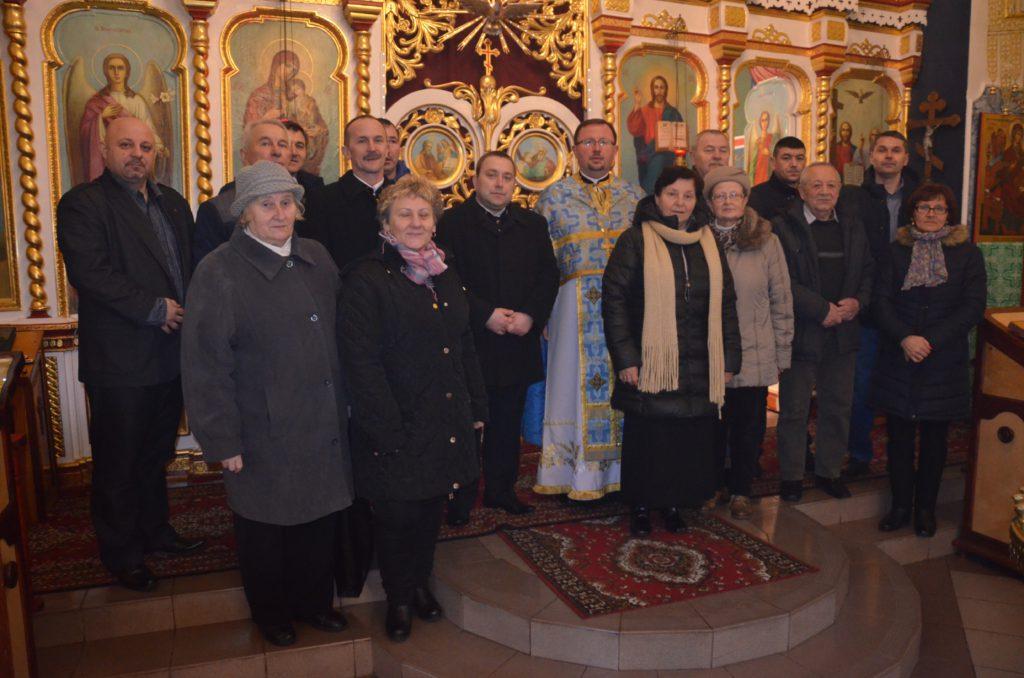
x=932, y=105
x=486, y=51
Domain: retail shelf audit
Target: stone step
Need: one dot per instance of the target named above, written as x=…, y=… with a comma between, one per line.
x=489, y=591
x=871, y=499
x=903, y=545
x=876, y=635
x=179, y=602
x=231, y=648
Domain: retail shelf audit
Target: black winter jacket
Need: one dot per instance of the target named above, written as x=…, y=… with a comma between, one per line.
x=413, y=378
x=937, y=388
x=809, y=307
x=511, y=265
x=622, y=308
x=773, y=198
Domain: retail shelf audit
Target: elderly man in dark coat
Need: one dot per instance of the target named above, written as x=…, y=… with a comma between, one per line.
x=262, y=379
x=504, y=256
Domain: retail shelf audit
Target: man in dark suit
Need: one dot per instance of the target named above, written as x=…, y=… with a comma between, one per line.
x=503, y=255
x=298, y=151
x=775, y=197
x=126, y=244
x=262, y=140
x=343, y=215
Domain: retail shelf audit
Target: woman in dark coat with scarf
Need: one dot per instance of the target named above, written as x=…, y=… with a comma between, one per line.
x=416, y=390
x=670, y=322
x=928, y=296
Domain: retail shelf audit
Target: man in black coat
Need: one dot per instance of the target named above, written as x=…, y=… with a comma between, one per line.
x=503, y=255
x=880, y=205
x=343, y=216
x=830, y=269
x=298, y=151
x=775, y=197
x=125, y=242
x=265, y=139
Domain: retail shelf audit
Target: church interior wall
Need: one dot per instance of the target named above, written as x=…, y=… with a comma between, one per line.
x=816, y=43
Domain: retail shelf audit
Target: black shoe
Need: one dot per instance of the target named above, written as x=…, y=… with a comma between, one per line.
x=456, y=519
x=509, y=505
x=834, y=487
x=674, y=521
x=137, y=578
x=281, y=635
x=398, y=624
x=178, y=546
x=857, y=468
x=640, y=523
x=924, y=523
x=791, y=490
x=896, y=518
x=331, y=621
x=426, y=605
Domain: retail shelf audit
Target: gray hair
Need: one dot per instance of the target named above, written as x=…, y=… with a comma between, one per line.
x=820, y=163
x=247, y=135
x=708, y=132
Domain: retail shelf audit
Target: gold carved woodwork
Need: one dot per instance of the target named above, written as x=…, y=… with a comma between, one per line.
x=608, y=70
x=454, y=125
x=816, y=31
x=617, y=5
x=821, y=142
x=771, y=35
x=836, y=31
x=363, y=72
x=536, y=121
x=866, y=48
x=53, y=410
x=12, y=302
x=1005, y=44
x=735, y=17
x=665, y=21
x=894, y=103
x=724, y=83
x=200, y=39
x=804, y=87
x=53, y=63
x=14, y=27
x=413, y=29
x=714, y=18
x=904, y=45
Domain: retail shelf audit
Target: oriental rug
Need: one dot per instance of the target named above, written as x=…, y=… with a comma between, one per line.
x=597, y=568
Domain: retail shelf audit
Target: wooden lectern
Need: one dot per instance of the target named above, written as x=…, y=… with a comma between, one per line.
x=996, y=463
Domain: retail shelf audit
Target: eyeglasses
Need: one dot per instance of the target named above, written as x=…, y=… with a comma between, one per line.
x=722, y=197
x=590, y=143
x=933, y=209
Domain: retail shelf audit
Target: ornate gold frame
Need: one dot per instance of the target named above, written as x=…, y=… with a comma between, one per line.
x=561, y=159
x=50, y=67
x=804, y=105
x=525, y=123
x=262, y=15
x=442, y=116
x=882, y=78
x=446, y=131
x=7, y=195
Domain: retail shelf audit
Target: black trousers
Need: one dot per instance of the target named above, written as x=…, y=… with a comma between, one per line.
x=502, y=440
x=920, y=488
x=287, y=570
x=132, y=430
x=740, y=434
x=405, y=532
x=668, y=463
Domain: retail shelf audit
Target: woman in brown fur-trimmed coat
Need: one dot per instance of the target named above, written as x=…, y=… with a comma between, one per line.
x=928, y=297
x=764, y=303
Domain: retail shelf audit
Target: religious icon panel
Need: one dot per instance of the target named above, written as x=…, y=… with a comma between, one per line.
x=435, y=153
x=286, y=65
x=866, y=104
x=658, y=87
x=539, y=158
x=771, y=103
x=999, y=210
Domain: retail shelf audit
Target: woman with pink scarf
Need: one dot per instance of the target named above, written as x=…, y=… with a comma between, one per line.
x=417, y=393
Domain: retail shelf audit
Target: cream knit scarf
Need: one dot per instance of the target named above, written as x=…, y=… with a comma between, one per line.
x=660, y=342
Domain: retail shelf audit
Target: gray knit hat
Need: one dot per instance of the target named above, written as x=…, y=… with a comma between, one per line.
x=260, y=179
x=719, y=174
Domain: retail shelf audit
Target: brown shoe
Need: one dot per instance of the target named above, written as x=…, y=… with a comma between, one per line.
x=740, y=507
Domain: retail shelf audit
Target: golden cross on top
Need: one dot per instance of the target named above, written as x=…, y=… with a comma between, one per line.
x=485, y=50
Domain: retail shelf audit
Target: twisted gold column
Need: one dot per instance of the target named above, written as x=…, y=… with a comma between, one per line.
x=53, y=411
x=724, y=82
x=363, y=72
x=14, y=27
x=905, y=113
x=201, y=46
x=821, y=145
x=608, y=79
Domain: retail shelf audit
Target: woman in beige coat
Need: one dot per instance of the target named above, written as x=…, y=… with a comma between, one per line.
x=764, y=303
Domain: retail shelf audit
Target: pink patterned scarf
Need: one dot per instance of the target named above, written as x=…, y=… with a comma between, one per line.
x=420, y=266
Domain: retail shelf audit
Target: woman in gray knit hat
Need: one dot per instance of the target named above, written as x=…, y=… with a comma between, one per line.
x=764, y=303
x=262, y=381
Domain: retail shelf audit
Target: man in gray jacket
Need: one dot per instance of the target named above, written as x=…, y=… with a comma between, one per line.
x=830, y=267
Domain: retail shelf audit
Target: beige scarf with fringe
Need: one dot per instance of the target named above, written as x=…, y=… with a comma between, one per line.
x=660, y=342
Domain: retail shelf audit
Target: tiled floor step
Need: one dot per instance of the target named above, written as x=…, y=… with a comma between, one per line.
x=903, y=545
x=488, y=590
x=877, y=634
x=232, y=649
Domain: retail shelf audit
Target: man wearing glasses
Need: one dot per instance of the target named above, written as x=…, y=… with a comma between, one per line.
x=586, y=213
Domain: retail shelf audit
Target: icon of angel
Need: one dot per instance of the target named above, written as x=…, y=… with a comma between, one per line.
x=88, y=113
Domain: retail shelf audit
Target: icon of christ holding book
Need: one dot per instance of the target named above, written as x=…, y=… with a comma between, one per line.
x=643, y=123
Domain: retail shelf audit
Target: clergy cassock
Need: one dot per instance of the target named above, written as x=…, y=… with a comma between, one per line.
x=582, y=434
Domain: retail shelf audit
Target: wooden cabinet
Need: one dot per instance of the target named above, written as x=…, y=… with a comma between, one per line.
x=36, y=468
x=996, y=463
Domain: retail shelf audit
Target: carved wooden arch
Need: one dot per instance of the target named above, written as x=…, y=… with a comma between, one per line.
x=892, y=91
x=803, y=82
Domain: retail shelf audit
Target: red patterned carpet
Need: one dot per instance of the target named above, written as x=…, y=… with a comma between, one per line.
x=597, y=568
x=64, y=556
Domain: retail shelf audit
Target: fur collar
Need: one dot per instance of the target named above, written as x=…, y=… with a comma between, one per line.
x=753, y=231
x=958, y=236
